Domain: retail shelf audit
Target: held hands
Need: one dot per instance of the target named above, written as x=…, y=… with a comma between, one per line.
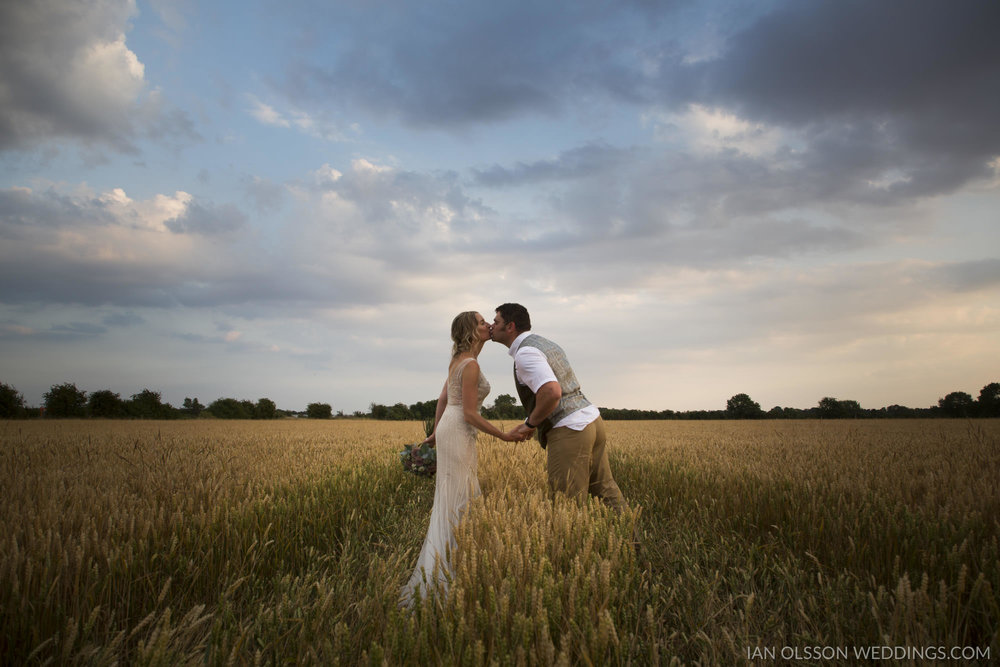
x=512, y=436
x=519, y=433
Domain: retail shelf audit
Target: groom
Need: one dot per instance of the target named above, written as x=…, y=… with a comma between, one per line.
x=569, y=427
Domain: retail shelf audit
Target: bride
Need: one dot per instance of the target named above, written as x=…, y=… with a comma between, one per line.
x=455, y=424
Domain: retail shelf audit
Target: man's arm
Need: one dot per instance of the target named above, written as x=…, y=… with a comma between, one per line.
x=546, y=401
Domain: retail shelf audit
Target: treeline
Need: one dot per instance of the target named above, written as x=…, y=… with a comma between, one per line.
x=504, y=407
x=741, y=406
x=67, y=401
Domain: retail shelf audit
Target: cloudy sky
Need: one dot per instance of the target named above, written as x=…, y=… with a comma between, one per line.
x=696, y=199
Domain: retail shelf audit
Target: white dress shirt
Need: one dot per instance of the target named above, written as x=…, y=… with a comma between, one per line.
x=532, y=369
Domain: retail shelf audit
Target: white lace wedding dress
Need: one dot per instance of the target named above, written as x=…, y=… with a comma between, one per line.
x=456, y=482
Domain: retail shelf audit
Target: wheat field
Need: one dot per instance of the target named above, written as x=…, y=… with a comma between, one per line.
x=208, y=542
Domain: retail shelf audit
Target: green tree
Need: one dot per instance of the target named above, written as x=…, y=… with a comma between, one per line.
x=988, y=404
x=957, y=404
x=505, y=407
x=192, y=407
x=105, y=404
x=424, y=409
x=65, y=400
x=11, y=402
x=319, y=411
x=230, y=408
x=741, y=406
x=378, y=411
x=831, y=408
x=896, y=411
x=265, y=409
x=147, y=404
x=399, y=412
x=851, y=409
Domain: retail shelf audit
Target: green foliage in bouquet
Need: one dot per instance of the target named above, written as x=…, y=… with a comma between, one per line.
x=420, y=458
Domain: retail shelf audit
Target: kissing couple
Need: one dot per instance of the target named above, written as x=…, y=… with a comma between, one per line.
x=568, y=426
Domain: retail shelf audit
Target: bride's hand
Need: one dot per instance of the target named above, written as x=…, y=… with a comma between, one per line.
x=431, y=440
x=511, y=436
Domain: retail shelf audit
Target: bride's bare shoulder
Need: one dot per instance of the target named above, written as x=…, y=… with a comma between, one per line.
x=462, y=362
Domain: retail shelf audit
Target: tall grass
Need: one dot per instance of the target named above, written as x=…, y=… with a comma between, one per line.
x=200, y=542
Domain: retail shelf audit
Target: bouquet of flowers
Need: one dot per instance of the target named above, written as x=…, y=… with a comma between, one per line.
x=420, y=458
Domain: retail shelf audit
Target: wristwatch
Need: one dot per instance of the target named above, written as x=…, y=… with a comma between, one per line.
x=529, y=424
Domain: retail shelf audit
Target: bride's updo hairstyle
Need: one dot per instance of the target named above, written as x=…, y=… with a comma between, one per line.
x=463, y=332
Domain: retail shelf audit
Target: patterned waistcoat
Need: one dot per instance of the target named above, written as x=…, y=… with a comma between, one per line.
x=572, y=398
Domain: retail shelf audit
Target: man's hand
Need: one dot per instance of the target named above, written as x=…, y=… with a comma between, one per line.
x=522, y=431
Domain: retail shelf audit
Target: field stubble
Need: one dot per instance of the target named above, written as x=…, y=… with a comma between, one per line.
x=239, y=542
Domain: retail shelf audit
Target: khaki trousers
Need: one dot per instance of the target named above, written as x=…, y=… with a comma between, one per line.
x=578, y=464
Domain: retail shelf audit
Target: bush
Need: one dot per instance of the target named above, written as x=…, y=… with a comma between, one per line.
x=11, y=402
x=319, y=411
x=230, y=408
x=65, y=400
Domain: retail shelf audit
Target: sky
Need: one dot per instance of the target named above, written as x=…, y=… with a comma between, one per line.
x=792, y=200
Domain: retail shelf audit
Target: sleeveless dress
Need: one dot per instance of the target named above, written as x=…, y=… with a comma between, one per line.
x=456, y=482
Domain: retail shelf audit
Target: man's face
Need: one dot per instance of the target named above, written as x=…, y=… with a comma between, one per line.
x=502, y=332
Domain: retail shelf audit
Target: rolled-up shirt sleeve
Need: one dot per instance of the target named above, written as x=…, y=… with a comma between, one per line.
x=533, y=368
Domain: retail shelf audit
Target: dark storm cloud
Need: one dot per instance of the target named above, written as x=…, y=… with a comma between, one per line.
x=689, y=209
x=913, y=87
x=123, y=319
x=22, y=210
x=466, y=63
x=43, y=278
x=77, y=330
x=62, y=333
x=589, y=160
x=799, y=64
x=806, y=62
x=871, y=88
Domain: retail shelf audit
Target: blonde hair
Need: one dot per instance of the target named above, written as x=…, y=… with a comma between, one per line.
x=463, y=332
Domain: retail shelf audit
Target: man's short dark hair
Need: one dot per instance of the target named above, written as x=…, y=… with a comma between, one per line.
x=516, y=313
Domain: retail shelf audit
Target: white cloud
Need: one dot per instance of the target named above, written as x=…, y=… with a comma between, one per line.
x=327, y=174
x=311, y=124
x=67, y=72
x=106, y=73
x=363, y=166
x=150, y=214
x=266, y=114
x=708, y=130
x=87, y=247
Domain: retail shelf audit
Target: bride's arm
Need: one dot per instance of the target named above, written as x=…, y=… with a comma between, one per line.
x=441, y=405
x=470, y=402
